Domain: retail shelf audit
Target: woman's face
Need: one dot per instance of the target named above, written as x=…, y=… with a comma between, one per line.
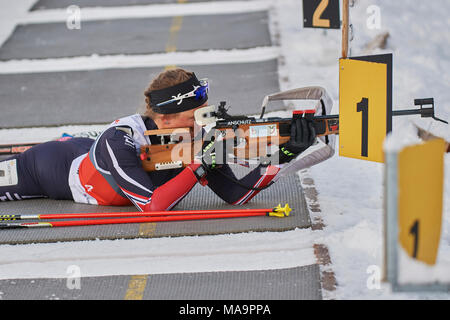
x=183, y=119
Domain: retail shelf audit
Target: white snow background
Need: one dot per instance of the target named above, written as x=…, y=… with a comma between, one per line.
x=350, y=191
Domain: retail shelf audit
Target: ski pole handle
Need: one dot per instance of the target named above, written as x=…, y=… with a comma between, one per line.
x=9, y=217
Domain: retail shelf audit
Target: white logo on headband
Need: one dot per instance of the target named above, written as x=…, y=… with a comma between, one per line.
x=184, y=96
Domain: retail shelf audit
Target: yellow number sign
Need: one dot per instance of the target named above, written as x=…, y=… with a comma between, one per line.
x=420, y=198
x=321, y=14
x=365, y=107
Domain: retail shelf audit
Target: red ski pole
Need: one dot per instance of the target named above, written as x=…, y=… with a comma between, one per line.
x=87, y=222
x=278, y=209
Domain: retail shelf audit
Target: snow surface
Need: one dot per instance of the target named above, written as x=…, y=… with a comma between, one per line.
x=96, y=62
x=245, y=251
x=149, y=11
x=350, y=190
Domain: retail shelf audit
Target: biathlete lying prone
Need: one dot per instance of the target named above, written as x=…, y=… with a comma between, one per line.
x=108, y=171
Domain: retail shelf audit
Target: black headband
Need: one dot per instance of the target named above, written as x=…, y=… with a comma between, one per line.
x=161, y=99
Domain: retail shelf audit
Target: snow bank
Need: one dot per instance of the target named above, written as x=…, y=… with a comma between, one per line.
x=413, y=271
x=406, y=136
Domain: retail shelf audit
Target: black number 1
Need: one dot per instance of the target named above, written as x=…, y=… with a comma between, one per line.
x=415, y=232
x=363, y=106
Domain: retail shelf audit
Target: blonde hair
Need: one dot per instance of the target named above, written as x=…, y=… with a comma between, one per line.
x=165, y=79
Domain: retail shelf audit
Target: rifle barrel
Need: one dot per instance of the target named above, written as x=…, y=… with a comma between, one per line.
x=406, y=112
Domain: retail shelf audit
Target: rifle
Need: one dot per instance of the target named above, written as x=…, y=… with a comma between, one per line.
x=251, y=138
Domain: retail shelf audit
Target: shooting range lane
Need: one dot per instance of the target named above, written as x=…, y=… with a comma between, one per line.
x=280, y=284
x=62, y=4
x=109, y=37
x=94, y=96
x=75, y=97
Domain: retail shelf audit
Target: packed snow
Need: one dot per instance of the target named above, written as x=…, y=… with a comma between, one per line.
x=350, y=190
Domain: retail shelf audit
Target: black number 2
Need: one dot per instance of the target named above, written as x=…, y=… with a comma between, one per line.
x=363, y=106
x=415, y=232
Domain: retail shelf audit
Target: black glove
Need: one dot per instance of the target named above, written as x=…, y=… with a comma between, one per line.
x=303, y=135
x=209, y=155
x=214, y=153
